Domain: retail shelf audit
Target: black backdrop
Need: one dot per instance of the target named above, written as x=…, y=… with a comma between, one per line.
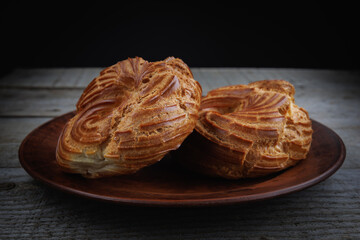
x=216, y=35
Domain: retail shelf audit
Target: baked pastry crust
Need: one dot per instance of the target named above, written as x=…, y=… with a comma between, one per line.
x=249, y=131
x=129, y=117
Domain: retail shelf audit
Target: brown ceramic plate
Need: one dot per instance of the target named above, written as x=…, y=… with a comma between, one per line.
x=167, y=184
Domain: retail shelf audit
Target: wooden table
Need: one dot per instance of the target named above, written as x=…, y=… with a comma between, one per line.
x=30, y=210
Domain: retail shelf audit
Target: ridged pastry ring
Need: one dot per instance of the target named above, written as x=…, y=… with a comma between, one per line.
x=249, y=131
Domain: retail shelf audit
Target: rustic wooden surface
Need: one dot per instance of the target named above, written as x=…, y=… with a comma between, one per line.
x=30, y=210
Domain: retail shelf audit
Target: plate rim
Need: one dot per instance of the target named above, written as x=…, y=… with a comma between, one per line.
x=183, y=202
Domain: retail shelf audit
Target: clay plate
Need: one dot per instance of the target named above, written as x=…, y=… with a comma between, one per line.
x=168, y=184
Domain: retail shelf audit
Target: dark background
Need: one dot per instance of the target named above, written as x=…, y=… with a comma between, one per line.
x=59, y=34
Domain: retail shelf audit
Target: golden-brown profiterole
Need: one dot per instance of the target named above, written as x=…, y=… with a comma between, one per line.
x=248, y=131
x=129, y=117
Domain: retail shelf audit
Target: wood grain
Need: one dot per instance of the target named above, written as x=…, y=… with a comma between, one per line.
x=324, y=211
x=14, y=130
x=28, y=209
x=38, y=103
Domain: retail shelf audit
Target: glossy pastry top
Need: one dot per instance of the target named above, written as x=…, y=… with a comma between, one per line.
x=258, y=124
x=130, y=117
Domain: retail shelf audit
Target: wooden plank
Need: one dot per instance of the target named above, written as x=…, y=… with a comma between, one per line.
x=13, y=131
x=210, y=78
x=38, y=102
x=322, y=94
x=39, y=77
x=87, y=76
x=329, y=210
x=68, y=77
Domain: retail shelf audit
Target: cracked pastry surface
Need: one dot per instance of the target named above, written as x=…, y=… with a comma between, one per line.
x=249, y=131
x=129, y=117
